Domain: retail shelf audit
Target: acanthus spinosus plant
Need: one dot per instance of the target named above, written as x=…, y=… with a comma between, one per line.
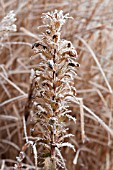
x=52, y=85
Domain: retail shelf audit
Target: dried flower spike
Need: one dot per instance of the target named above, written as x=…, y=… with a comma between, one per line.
x=52, y=84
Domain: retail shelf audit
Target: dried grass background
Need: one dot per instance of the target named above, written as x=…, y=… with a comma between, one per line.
x=91, y=32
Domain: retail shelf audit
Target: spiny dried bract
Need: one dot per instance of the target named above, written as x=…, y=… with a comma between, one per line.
x=7, y=24
x=54, y=82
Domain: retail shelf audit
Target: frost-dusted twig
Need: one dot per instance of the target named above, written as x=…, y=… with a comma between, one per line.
x=7, y=24
x=82, y=120
x=25, y=131
x=51, y=82
x=24, y=96
x=78, y=152
x=12, y=84
x=27, y=32
x=76, y=157
x=66, y=144
x=3, y=165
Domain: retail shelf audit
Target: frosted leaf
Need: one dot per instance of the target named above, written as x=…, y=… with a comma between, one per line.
x=70, y=93
x=76, y=157
x=71, y=117
x=65, y=136
x=60, y=95
x=63, y=113
x=64, y=91
x=72, y=72
x=64, y=44
x=35, y=153
x=69, y=51
x=66, y=144
x=41, y=108
x=70, y=75
x=63, y=105
x=69, y=98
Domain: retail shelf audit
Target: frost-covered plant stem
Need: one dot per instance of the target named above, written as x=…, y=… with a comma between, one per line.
x=53, y=130
x=52, y=85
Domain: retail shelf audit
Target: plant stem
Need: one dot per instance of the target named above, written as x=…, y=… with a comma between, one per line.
x=53, y=129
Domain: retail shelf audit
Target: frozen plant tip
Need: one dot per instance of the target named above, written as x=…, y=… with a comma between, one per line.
x=51, y=83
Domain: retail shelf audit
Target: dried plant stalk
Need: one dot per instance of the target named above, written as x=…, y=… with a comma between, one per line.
x=52, y=83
